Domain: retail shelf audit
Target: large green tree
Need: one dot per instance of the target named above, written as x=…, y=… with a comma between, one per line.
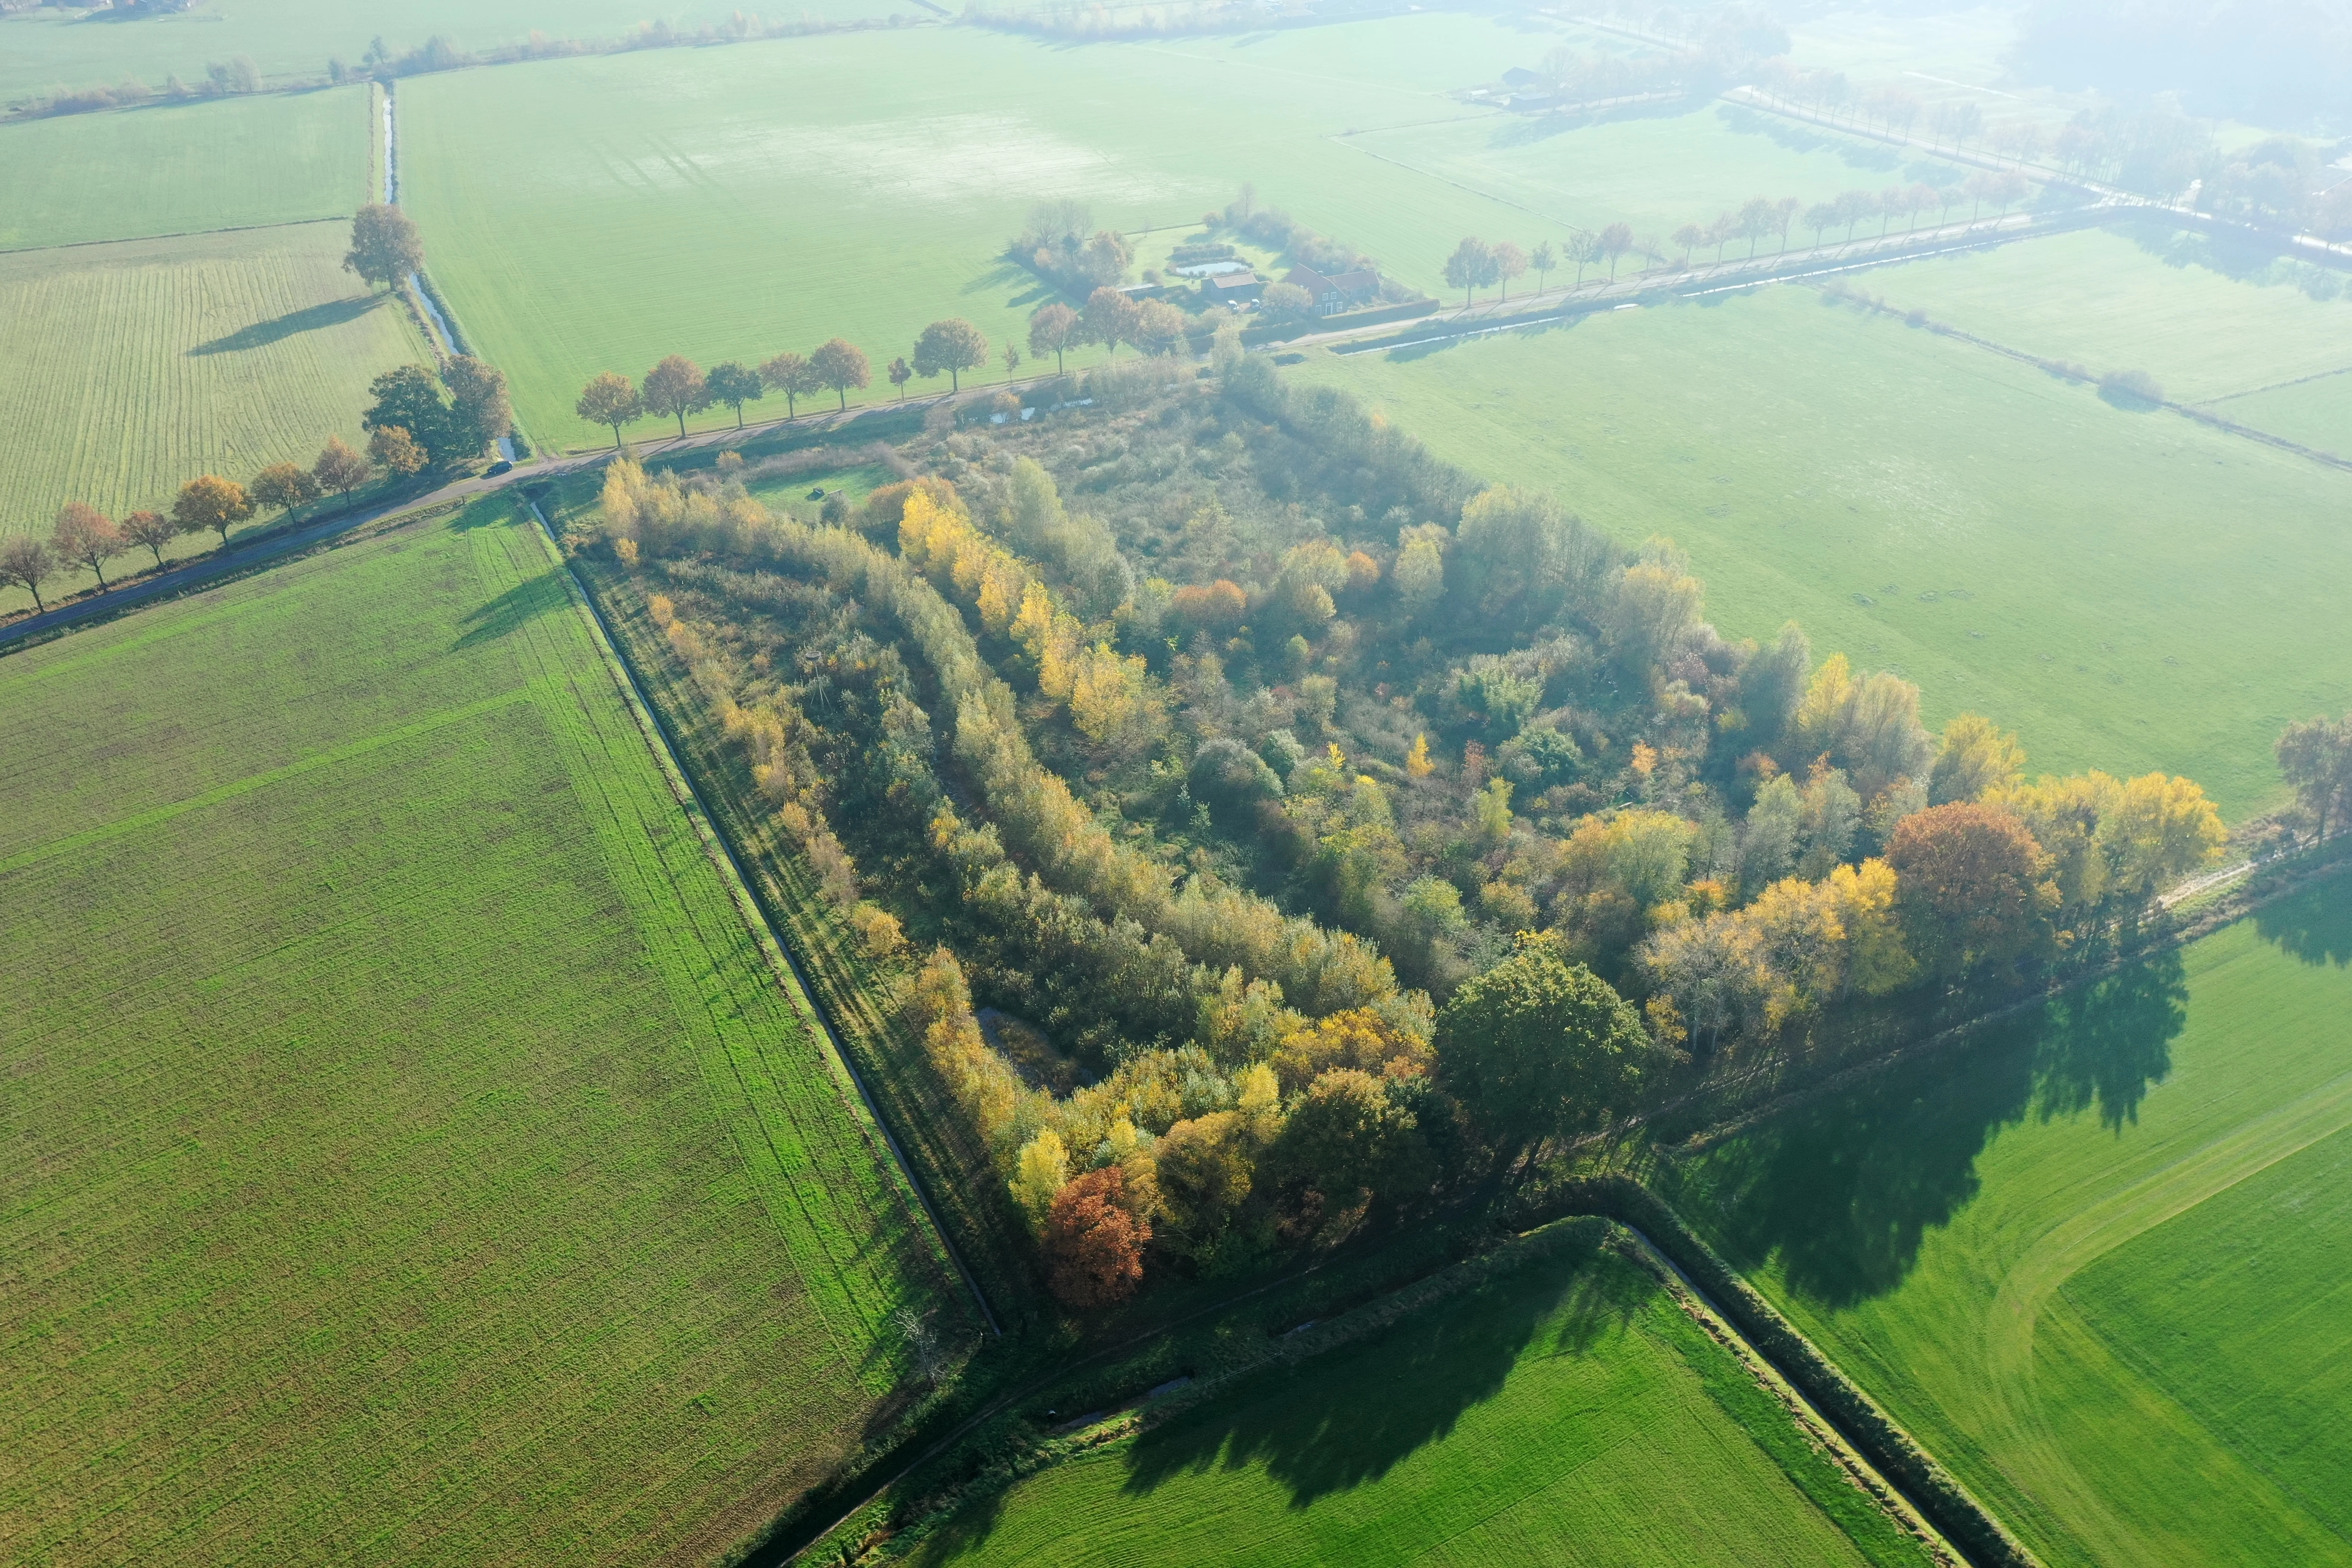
x=954, y=345
x=1538, y=1047
x=734, y=385
x=410, y=399
x=385, y=247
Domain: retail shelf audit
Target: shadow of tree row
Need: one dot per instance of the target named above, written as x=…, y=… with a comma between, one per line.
x=1843, y=1190
x=1346, y=1418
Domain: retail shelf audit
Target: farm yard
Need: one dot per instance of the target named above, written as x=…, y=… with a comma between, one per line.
x=418, y=1160
x=141, y=364
x=1569, y=1412
x=1892, y=491
x=2091, y=1262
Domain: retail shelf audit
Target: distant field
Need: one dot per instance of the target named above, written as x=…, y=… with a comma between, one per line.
x=2316, y=413
x=137, y=366
x=46, y=48
x=1568, y=1413
x=2132, y=298
x=1655, y=170
x=2128, y=591
x=2096, y=1261
x=413, y=1158
x=183, y=169
x=676, y=202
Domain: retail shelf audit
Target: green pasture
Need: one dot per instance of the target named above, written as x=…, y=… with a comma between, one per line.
x=2317, y=413
x=1655, y=170
x=2095, y=1261
x=414, y=1157
x=2127, y=589
x=1568, y=1413
x=2135, y=297
x=136, y=367
x=183, y=168
x=678, y=201
x=50, y=48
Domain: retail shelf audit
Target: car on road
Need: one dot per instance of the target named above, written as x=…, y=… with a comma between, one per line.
x=500, y=467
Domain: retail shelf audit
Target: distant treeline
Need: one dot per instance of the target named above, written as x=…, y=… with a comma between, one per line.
x=380, y=62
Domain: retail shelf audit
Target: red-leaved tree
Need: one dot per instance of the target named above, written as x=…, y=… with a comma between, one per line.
x=1094, y=1247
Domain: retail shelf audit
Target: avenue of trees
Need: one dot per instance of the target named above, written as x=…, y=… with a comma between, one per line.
x=84, y=538
x=1322, y=880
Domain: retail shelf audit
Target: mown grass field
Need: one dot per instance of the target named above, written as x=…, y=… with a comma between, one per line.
x=1568, y=1413
x=2134, y=297
x=135, y=367
x=47, y=48
x=413, y=1156
x=183, y=168
x=2096, y=1261
x=2127, y=590
x=676, y=202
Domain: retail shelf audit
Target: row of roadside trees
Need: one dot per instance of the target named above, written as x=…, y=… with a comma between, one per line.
x=677, y=387
x=1477, y=264
x=84, y=537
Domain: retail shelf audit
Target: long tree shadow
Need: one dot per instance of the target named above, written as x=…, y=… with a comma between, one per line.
x=1345, y=1419
x=2315, y=927
x=525, y=602
x=310, y=319
x=1843, y=1189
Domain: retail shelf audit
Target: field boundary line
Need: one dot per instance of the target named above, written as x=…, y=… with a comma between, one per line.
x=780, y=960
x=2272, y=386
x=1808, y=1415
x=174, y=233
x=1980, y=1538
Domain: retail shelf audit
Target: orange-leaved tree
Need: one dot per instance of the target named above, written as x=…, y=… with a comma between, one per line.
x=1973, y=887
x=211, y=502
x=1094, y=1247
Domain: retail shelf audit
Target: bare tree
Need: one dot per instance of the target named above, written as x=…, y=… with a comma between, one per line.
x=27, y=562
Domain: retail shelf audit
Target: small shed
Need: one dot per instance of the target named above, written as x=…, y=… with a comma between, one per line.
x=1228, y=288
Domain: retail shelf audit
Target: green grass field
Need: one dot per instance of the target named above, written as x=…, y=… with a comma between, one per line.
x=2131, y=298
x=2096, y=1261
x=2006, y=538
x=1567, y=1413
x=2317, y=413
x=184, y=169
x=414, y=1157
x=137, y=366
x=49, y=48
x=674, y=201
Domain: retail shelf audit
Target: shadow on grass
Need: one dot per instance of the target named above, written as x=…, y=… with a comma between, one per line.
x=1345, y=1419
x=2315, y=927
x=1843, y=1190
x=523, y=602
x=313, y=318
